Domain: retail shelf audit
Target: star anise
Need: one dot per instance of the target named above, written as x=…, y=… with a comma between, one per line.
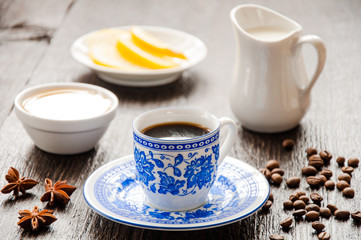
x=16, y=183
x=59, y=193
x=35, y=219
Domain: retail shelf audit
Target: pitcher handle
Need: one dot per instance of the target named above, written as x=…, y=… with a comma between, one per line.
x=319, y=45
x=230, y=137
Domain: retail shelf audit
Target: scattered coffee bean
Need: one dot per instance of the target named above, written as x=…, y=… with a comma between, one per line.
x=288, y=144
x=280, y=171
x=266, y=173
x=348, y=192
x=329, y=185
x=340, y=161
x=318, y=226
x=323, y=179
x=313, y=181
x=300, y=193
x=309, y=171
x=353, y=162
x=286, y=223
x=299, y=213
x=342, y=214
x=270, y=197
x=276, y=179
x=325, y=155
x=325, y=212
x=311, y=151
x=324, y=236
x=288, y=205
x=345, y=176
x=341, y=185
x=347, y=169
x=293, y=197
x=267, y=205
x=312, y=216
x=327, y=173
x=356, y=216
x=305, y=199
x=312, y=207
x=332, y=207
x=293, y=182
x=316, y=161
x=271, y=164
x=316, y=198
x=299, y=204
x=276, y=237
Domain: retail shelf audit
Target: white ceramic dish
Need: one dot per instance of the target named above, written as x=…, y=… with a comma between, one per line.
x=194, y=49
x=113, y=192
x=65, y=136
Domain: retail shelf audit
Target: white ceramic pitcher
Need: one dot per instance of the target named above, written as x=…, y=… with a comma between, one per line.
x=271, y=89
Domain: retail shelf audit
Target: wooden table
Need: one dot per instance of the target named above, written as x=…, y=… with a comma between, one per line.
x=35, y=37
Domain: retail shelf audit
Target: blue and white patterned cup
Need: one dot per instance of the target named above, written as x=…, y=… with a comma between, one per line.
x=177, y=175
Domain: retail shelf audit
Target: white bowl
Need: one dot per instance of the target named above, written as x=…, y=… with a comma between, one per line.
x=192, y=47
x=65, y=136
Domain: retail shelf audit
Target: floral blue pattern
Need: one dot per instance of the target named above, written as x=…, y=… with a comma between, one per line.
x=199, y=172
x=144, y=167
x=169, y=184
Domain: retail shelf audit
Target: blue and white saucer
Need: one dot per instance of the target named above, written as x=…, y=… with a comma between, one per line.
x=113, y=192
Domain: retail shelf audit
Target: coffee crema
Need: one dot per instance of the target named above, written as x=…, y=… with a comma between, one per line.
x=176, y=130
x=67, y=104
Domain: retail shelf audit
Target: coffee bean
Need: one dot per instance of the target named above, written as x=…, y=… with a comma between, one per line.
x=299, y=204
x=316, y=161
x=332, y=207
x=356, y=216
x=324, y=236
x=329, y=185
x=311, y=151
x=270, y=197
x=325, y=155
x=305, y=199
x=266, y=173
x=293, y=197
x=341, y=161
x=318, y=226
x=347, y=169
x=286, y=223
x=288, y=144
x=345, y=176
x=341, y=185
x=280, y=171
x=348, y=192
x=327, y=173
x=276, y=179
x=293, y=182
x=353, y=162
x=288, y=205
x=313, y=181
x=309, y=171
x=271, y=164
x=312, y=207
x=323, y=179
x=325, y=212
x=316, y=198
x=299, y=213
x=299, y=193
x=312, y=216
x=267, y=205
x=276, y=237
x=342, y=214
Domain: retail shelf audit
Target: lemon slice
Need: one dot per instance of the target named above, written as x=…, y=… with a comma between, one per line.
x=103, y=51
x=131, y=52
x=153, y=45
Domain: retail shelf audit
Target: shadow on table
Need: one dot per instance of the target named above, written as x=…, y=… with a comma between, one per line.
x=182, y=87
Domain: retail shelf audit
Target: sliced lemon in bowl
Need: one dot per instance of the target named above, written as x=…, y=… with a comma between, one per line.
x=102, y=50
x=152, y=45
x=137, y=55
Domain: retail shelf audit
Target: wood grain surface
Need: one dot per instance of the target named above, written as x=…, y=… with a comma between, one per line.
x=35, y=40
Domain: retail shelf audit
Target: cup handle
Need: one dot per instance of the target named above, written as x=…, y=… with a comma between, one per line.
x=230, y=137
x=320, y=47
